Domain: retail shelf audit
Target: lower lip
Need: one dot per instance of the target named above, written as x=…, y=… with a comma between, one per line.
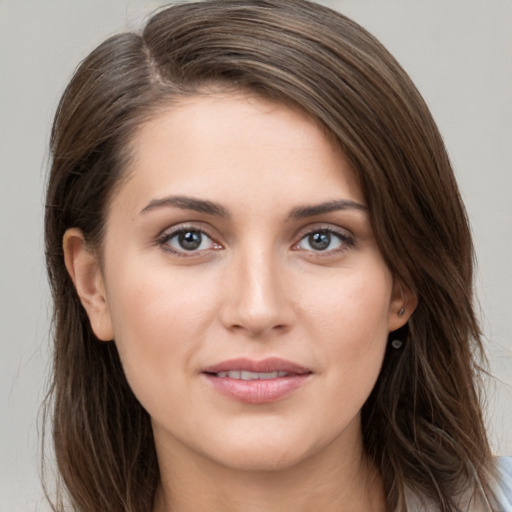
x=257, y=391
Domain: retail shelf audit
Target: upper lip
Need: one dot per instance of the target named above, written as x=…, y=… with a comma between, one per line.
x=271, y=364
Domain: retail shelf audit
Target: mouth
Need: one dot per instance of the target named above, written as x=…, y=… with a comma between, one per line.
x=246, y=375
x=256, y=382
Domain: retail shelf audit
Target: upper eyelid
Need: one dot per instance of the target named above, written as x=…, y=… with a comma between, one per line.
x=332, y=228
x=178, y=228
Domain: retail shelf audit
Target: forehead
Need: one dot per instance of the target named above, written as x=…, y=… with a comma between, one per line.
x=230, y=143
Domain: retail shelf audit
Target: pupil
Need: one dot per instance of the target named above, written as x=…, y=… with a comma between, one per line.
x=320, y=241
x=190, y=240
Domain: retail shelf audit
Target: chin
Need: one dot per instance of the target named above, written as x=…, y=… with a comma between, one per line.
x=264, y=461
x=263, y=455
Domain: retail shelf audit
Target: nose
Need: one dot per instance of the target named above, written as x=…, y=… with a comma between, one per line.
x=256, y=301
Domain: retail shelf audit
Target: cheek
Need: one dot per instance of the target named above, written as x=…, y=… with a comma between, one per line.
x=351, y=306
x=155, y=303
x=349, y=320
x=160, y=319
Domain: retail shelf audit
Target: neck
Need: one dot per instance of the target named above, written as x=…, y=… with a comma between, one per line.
x=331, y=481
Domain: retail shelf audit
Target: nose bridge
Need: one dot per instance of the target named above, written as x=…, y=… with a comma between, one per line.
x=256, y=300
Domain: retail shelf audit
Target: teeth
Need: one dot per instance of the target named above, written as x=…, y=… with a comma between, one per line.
x=245, y=375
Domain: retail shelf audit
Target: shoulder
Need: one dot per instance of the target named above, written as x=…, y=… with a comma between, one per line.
x=504, y=489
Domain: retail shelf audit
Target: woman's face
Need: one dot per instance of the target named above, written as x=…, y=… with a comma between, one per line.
x=243, y=286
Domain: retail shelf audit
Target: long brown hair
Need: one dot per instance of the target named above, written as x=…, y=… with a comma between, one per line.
x=422, y=424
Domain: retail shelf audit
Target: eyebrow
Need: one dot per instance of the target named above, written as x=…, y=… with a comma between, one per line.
x=302, y=212
x=212, y=208
x=188, y=203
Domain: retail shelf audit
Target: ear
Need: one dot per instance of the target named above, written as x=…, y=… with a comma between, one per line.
x=402, y=305
x=84, y=269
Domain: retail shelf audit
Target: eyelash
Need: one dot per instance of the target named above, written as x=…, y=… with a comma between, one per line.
x=164, y=239
x=346, y=241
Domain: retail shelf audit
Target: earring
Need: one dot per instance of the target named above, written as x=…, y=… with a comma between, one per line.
x=401, y=312
x=397, y=344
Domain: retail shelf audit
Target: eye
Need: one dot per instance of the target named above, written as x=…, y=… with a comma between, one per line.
x=324, y=240
x=187, y=240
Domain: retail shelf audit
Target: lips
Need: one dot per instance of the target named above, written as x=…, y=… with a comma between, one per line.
x=271, y=364
x=256, y=382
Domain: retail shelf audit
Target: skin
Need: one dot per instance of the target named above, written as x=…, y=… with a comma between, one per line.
x=256, y=287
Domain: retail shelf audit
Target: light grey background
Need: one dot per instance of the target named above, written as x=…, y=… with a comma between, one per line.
x=458, y=52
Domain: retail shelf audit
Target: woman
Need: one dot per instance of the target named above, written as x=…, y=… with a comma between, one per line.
x=262, y=275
